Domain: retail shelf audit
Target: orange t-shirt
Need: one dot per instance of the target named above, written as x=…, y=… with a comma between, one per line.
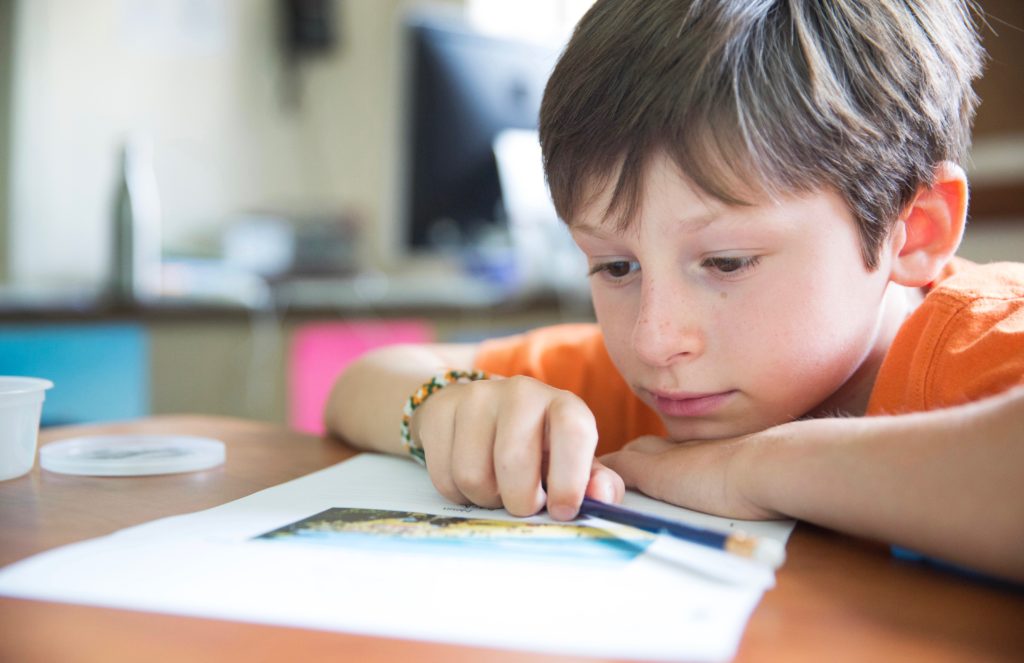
x=964, y=342
x=573, y=357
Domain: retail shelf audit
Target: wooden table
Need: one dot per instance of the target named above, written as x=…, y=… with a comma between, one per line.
x=837, y=598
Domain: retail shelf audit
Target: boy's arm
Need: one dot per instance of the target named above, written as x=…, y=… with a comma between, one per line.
x=945, y=483
x=365, y=405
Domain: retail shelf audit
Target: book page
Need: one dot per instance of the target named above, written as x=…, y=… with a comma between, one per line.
x=368, y=546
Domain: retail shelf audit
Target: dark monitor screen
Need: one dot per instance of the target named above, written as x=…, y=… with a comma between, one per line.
x=463, y=88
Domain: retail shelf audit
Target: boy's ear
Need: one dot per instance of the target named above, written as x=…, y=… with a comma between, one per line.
x=928, y=232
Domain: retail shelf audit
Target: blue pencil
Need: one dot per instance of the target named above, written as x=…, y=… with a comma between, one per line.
x=768, y=551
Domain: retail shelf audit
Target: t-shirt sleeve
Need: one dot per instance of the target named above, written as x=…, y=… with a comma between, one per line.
x=573, y=357
x=963, y=344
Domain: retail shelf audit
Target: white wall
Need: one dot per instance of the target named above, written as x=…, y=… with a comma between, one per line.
x=994, y=241
x=6, y=33
x=203, y=78
x=995, y=160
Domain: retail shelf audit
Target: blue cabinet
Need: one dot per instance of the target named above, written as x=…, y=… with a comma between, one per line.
x=100, y=372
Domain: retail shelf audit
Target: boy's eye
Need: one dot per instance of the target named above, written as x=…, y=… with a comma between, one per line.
x=731, y=265
x=618, y=269
x=615, y=269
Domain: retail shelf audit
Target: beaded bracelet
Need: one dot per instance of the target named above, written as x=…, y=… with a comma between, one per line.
x=435, y=384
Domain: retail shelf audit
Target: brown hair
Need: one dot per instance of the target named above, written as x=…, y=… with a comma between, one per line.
x=763, y=96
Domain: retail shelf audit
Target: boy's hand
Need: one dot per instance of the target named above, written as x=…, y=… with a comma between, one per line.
x=500, y=442
x=704, y=476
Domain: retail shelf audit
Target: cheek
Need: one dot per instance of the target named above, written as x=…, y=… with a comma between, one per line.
x=616, y=313
x=815, y=331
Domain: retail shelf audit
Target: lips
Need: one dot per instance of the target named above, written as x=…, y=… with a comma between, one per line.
x=680, y=404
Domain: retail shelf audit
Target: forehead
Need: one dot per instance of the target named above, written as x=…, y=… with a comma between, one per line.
x=669, y=198
x=663, y=188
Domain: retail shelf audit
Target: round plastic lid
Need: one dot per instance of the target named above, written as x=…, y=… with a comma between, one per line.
x=131, y=455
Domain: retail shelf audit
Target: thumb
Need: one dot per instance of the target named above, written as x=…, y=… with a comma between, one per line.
x=636, y=461
x=605, y=485
x=628, y=465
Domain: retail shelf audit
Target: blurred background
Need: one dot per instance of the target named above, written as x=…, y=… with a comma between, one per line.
x=210, y=206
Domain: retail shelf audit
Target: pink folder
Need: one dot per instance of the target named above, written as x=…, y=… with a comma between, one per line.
x=320, y=351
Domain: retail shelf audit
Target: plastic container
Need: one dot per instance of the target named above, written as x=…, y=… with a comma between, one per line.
x=131, y=455
x=21, y=406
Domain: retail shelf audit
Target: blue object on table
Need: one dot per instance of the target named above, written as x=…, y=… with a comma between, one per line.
x=100, y=372
x=907, y=555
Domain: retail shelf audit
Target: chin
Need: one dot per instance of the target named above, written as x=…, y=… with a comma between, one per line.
x=705, y=431
x=702, y=431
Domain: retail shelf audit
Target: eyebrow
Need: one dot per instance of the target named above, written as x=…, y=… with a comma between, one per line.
x=691, y=224
x=599, y=233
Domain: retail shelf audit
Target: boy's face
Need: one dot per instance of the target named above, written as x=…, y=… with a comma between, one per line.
x=727, y=320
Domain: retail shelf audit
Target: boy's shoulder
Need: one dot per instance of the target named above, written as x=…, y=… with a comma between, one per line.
x=965, y=283
x=964, y=342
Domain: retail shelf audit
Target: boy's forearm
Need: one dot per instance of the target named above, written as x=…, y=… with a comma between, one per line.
x=365, y=405
x=945, y=483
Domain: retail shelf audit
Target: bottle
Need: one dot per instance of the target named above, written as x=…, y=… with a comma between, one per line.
x=136, y=255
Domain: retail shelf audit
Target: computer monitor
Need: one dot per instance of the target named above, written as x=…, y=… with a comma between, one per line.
x=463, y=88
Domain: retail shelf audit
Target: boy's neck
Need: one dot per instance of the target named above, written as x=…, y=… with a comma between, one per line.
x=851, y=399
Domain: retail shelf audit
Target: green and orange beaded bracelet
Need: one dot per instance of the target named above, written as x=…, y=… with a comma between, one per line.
x=435, y=384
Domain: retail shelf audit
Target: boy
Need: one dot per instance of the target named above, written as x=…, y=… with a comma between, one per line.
x=769, y=200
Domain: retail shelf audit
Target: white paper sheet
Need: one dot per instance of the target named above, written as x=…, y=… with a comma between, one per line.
x=602, y=602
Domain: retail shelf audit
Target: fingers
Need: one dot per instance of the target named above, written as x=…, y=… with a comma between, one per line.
x=473, y=474
x=433, y=426
x=637, y=461
x=683, y=474
x=493, y=443
x=626, y=466
x=518, y=448
x=605, y=484
x=705, y=476
x=572, y=438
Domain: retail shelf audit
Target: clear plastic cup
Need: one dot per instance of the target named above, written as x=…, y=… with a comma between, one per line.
x=21, y=406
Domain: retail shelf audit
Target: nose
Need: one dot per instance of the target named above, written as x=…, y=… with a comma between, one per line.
x=668, y=325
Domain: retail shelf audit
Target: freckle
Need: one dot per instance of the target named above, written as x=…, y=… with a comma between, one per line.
x=723, y=294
